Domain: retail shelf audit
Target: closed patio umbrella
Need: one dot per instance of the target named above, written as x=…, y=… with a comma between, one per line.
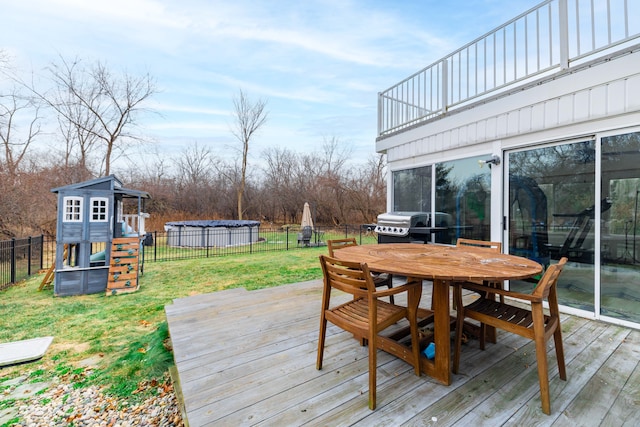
x=306, y=216
x=306, y=227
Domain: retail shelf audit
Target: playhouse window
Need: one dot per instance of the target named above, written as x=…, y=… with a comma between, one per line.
x=99, y=208
x=73, y=209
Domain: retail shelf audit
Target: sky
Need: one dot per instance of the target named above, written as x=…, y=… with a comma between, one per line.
x=319, y=64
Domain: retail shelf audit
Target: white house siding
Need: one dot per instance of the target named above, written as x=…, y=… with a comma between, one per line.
x=601, y=97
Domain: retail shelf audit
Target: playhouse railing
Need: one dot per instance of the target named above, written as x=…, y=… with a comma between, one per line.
x=135, y=222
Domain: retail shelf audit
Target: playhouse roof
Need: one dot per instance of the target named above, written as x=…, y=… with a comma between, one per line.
x=110, y=182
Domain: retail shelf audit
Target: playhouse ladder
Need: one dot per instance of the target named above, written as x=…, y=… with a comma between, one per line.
x=123, y=266
x=47, y=281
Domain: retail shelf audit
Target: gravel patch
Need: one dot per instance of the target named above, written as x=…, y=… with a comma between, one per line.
x=61, y=404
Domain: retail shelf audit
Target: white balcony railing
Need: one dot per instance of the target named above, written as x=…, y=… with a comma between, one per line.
x=553, y=36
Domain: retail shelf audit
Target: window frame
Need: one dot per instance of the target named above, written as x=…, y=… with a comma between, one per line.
x=76, y=212
x=103, y=216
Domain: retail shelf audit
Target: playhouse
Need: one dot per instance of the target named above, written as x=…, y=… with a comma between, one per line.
x=97, y=244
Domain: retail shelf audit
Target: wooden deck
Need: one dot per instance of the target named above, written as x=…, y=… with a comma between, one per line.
x=248, y=358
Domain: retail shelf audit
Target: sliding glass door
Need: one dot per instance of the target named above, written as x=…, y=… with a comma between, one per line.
x=550, y=214
x=552, y=211
x=620, y=232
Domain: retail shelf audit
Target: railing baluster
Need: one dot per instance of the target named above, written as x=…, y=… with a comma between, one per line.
x=445, y=85
x=608, y=22
x=515, y=53
x=578, y=26
x=526, y=46
x=550, y=36
x=593, y=26
x=495, y=63
x=626, y=19
x=563, y=16
x=538, y=40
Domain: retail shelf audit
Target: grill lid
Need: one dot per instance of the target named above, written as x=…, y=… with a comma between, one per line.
x=399, y=223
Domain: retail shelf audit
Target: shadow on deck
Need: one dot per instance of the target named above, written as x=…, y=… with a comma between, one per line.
x=248, y=358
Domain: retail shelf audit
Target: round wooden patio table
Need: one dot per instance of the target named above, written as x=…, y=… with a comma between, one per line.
x=443, y=265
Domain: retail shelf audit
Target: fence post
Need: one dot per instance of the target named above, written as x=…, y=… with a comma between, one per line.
x=287, y=239
x=29, y=253
x=206, y=242
x=12, y=261
x=155, y=246
x=41, y=251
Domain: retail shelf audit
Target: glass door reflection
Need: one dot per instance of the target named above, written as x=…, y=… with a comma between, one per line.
x=551, y=210
x=619, y=244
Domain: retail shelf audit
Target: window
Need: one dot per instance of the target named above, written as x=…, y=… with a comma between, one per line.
x=463, y=200
x=462, y=193
x=72, y=209
x=412, y=190
x=99, y=209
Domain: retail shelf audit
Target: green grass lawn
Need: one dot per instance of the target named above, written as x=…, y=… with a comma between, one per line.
x=126, y=335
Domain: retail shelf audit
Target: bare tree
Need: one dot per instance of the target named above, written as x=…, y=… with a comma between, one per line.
x=334, y=155
x=367, y=189
x=194, y=165
x=15, y=143
x=77, y=129
x=97, y=106
x=249, y=117
x=283, y=196
x=4, y=60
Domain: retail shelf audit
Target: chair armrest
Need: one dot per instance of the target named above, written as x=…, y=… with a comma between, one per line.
x=398, y=289
x=483, y=288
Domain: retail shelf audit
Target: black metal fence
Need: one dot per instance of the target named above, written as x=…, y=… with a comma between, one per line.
x=20, y=258
x=219, y=241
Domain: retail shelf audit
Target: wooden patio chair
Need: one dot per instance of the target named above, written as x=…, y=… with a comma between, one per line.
x=379, y=279
x=366, y=315
x=529, y=322
x=488, y=245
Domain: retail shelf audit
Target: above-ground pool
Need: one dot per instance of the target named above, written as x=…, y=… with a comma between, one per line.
x=210, y=233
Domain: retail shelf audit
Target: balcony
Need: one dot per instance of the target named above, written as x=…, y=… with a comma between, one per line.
x=551, y=39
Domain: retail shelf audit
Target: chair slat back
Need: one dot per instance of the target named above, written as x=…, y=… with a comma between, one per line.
x=495, y=246
x=550, y=279
x=350, y=277
x=335, y=244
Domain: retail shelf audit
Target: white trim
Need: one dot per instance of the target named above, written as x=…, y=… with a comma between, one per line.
x=103, y=211
x=597, y=227
x=73, y=268
x=621, y=322
x=72, y=212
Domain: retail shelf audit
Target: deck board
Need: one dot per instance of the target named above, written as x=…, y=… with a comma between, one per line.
x=248, y=358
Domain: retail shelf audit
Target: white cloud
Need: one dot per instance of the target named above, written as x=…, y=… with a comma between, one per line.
x=319, y=63
x=166, y=107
